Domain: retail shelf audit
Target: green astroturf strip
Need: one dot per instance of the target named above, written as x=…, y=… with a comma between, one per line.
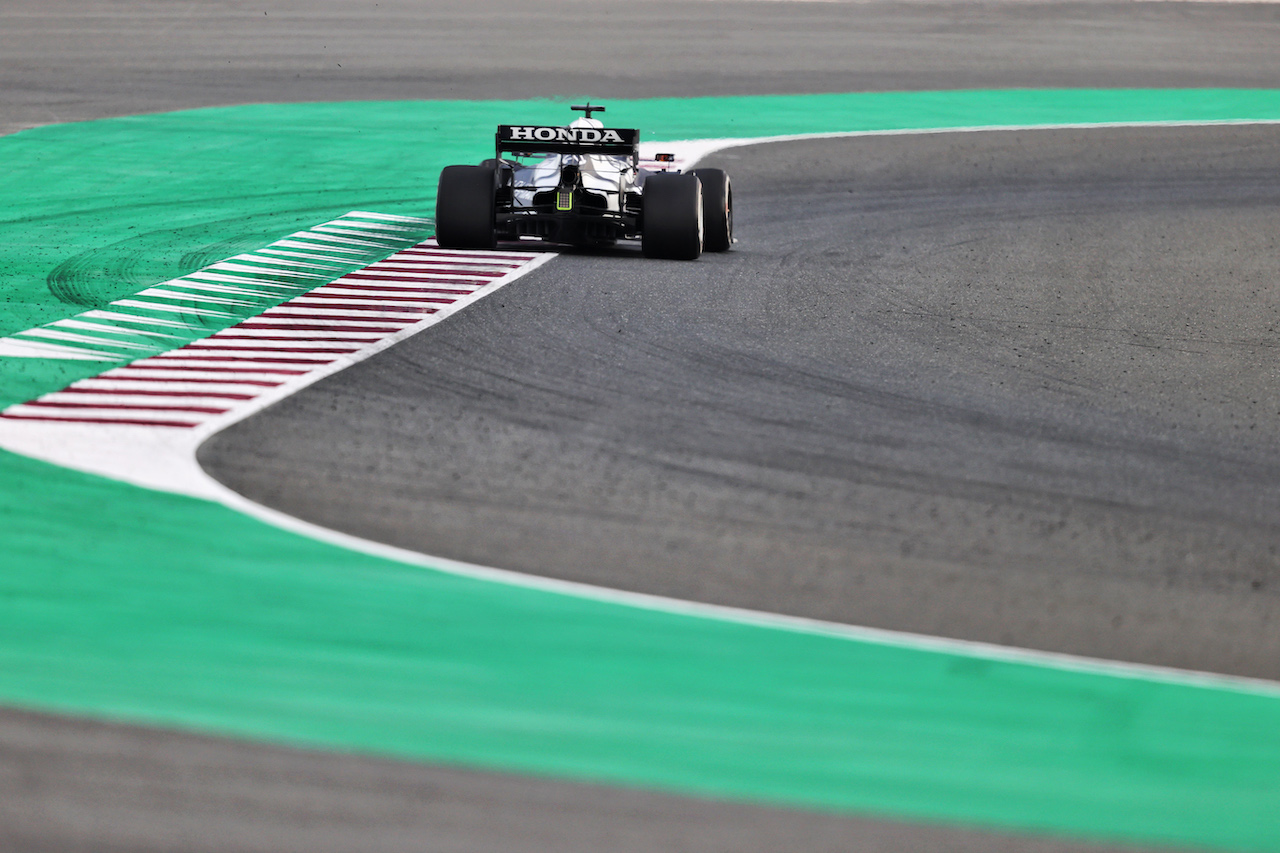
x=148, y=607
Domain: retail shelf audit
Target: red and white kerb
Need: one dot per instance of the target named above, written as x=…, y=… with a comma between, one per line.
x=212, y=377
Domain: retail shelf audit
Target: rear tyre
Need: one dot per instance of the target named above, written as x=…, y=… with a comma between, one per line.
x=672, y=206
x=717, y=210
x=465, y=207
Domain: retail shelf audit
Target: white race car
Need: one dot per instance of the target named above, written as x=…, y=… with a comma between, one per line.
x=583, y=185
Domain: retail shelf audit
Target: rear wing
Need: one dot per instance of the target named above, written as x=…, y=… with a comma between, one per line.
x=539, y=139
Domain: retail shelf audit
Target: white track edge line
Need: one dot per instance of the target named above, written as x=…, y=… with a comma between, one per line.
x=1172, y=676
x=703, y=147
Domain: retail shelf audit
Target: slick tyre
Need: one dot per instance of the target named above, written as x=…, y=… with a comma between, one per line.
x=672, y=217
x=717, y=210
x=465, y=207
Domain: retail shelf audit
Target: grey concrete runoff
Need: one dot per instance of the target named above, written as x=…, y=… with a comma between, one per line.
x=69, y=60
x=79, y=786
x=999, y=386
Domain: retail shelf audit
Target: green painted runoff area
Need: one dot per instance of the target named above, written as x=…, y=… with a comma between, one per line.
x=122, y=603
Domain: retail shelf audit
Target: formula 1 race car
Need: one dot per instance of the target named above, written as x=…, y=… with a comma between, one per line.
x=582, y=185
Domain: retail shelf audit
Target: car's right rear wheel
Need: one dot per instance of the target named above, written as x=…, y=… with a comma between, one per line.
x=465, y=207
x=672, y=217
x=717, y=209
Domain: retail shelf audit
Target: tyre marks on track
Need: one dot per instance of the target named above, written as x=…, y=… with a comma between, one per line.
x=216, y=379
x=191, y=306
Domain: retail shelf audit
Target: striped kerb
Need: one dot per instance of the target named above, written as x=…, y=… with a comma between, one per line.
x=211, y=377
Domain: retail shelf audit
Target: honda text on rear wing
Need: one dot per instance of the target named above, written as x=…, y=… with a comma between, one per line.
x=537, y=139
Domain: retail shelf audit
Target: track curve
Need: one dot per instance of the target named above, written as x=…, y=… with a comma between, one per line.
x=1012, y=387
x=70, y=784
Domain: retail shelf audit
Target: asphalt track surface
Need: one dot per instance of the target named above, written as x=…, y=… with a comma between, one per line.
x=1007, y=386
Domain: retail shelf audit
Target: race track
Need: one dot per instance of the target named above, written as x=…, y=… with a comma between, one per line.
x=1012, y=386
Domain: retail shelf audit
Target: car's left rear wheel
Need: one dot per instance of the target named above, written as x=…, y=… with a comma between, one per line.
x=465, y=207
